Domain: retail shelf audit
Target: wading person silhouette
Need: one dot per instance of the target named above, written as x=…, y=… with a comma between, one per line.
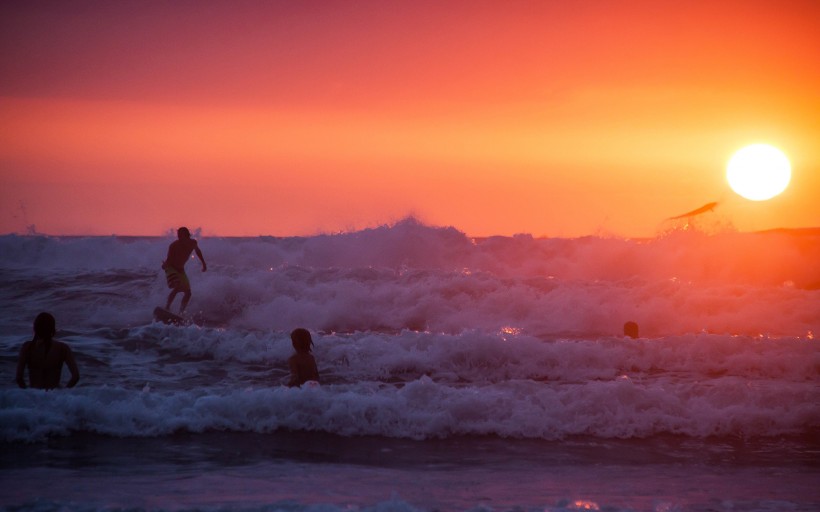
x=44, y=357
x=631, y=329
x=302, y=364
x=174, y=265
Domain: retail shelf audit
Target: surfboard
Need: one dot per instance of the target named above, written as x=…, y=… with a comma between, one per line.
x=166, y=317
x=708, y=207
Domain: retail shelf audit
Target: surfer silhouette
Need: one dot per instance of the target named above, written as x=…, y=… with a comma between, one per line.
x=44, y=357
x=174, y=265
x=708, y=207
x=302, y=364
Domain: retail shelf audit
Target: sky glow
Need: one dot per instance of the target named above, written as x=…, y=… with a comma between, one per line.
x=292, y=118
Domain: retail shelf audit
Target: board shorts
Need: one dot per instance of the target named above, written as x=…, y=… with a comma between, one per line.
x=176, y=279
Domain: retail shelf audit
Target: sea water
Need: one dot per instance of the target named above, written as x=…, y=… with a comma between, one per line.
x=456, y=374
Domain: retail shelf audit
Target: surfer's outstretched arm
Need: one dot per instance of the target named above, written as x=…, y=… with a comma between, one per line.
x=201, y=257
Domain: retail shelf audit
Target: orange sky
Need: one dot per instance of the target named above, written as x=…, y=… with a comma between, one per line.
x=291, y=118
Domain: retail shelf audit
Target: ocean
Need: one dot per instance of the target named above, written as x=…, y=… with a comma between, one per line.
x=457, y=374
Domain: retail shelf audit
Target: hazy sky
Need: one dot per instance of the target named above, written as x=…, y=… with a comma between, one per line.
x=556, y=118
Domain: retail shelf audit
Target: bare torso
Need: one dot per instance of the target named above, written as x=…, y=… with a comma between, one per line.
x=302, y=369
x=44, y=361
x=179, y=251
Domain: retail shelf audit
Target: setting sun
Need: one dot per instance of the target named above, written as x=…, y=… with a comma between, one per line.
x=497, y=118
x=758, y=172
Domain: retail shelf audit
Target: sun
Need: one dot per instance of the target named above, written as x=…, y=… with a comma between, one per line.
x=758, y=172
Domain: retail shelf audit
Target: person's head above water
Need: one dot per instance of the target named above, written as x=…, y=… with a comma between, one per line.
x=301, y=340
x=183, y=233
x=631, y=329
x=45, y=326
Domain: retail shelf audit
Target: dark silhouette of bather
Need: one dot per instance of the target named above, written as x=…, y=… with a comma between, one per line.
x=302, y=364
x=44, y=357
x=631, y=329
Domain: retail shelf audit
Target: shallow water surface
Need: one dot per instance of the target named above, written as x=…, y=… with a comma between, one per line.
x=297, y=470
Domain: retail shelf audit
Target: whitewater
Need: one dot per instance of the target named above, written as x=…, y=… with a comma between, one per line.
x=457, y=373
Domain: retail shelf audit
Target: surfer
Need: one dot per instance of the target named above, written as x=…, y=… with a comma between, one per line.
x=631, y=329
x=302, y=364
x=174, y=265
x=44, y=357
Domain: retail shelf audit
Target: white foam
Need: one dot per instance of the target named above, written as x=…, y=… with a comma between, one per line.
x=424, y=408
x=422, y=385
x=423, y=278
x=421, y=332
